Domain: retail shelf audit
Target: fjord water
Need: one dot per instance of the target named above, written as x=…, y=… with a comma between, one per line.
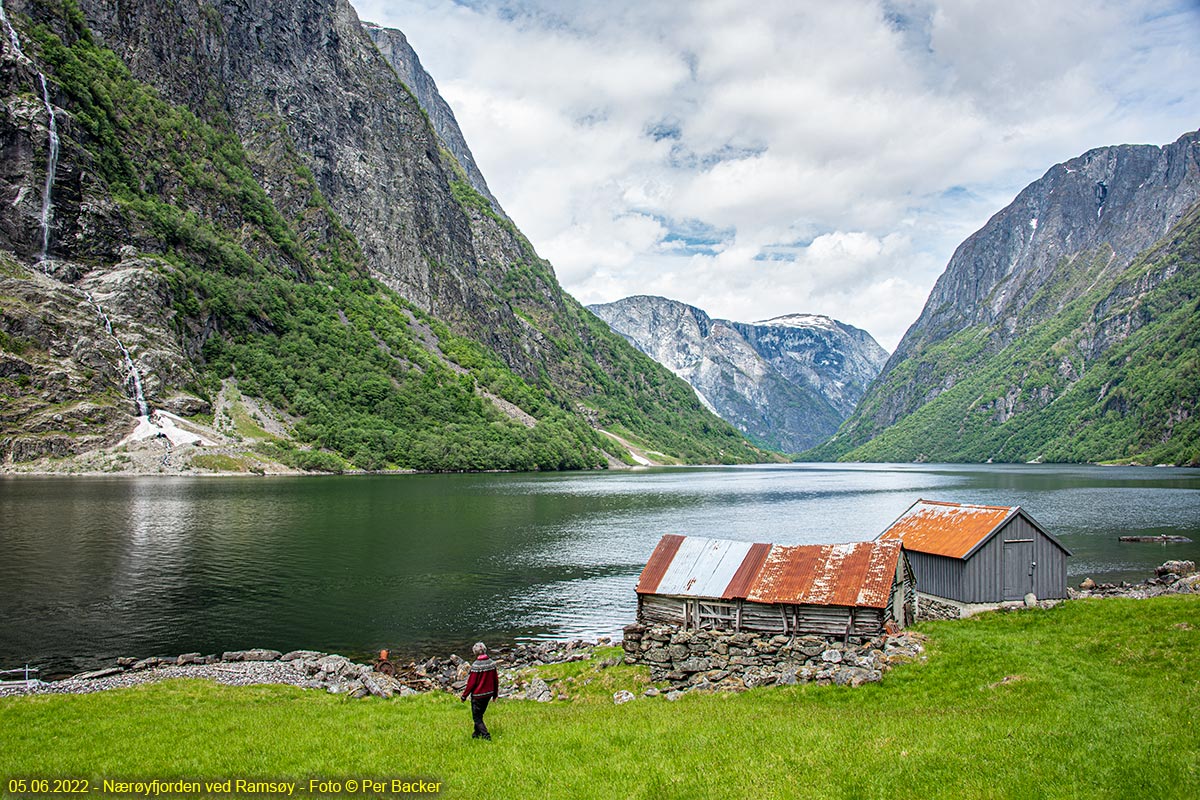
x=95, y=568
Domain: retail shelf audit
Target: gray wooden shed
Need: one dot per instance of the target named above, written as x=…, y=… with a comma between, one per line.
x=980, y=554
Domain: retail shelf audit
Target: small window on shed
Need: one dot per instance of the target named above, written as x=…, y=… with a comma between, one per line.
x=715, y=615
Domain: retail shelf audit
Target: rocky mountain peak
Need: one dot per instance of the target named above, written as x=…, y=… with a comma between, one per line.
x=786, y=382
x=800, y=321
x=1053, y=330
x=1106, y=206
x=394, y=46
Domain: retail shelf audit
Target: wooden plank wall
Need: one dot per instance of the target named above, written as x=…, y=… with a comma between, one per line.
x=773, y=618
x=937, y=575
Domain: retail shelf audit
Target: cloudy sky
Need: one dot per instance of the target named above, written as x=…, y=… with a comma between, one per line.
x=764, y=158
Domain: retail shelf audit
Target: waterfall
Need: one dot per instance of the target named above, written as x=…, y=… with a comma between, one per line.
x=12, y=35
x=52, y=158
x=51, y=169
x=133, y=378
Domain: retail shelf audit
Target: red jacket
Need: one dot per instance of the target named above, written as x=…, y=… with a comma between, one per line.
x=482, y=681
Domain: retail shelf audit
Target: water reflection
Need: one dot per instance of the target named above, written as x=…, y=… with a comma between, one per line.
x=92, y=568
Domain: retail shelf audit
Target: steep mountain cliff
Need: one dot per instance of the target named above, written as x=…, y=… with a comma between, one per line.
x=786, y=382
x=394, y=46
x=205, y=195
x=1065, y=329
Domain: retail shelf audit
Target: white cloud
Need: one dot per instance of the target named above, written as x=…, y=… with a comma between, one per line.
x=789, y=157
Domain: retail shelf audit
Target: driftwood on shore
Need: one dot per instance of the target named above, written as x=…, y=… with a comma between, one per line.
x=1164, y=538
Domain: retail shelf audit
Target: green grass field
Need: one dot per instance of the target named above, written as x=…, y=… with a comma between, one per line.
x=1090, y=699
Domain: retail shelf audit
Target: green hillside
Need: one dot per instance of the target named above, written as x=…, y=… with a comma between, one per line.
x=1053, y=394
x=271, y=288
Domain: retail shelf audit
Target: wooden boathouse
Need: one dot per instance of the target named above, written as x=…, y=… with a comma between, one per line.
x=979, y=554
x=833, y=590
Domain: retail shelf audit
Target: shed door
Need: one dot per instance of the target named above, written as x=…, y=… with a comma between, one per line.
x=1018, y=568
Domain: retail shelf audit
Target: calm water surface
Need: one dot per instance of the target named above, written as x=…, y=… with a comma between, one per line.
x=91, y=569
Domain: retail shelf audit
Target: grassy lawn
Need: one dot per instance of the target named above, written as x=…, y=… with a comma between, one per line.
x=1100, y=701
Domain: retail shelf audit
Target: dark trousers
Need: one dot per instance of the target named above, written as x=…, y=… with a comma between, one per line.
x=478, y=706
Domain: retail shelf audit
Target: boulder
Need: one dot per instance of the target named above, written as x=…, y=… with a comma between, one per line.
x=296, y=655
x=754, y=679
x=333, y=665
x=190, y=658
x=810, y=646
x=1188, y=585
x=538, y=690
x=1087, y=584
x=1180, y=568
x=257, y=654
x=659, y=655
x=379, y=685
x=97, y=674
x=622, y=697
x=832, y=656
x=695, y=665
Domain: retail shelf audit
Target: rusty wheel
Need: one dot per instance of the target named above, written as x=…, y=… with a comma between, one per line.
x=386, y=667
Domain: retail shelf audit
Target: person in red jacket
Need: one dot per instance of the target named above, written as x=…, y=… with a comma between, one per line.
x=482, y=685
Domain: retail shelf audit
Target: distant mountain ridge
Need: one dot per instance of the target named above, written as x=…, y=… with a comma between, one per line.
x=1063, y=330
x=787, y=382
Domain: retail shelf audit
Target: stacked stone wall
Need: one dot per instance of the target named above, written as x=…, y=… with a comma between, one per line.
x=928, y=608
x=734, y=661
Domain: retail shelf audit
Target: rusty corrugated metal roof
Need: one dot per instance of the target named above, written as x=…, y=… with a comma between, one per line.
x=747, y=572
x=660, y=559
x=859, y=574
x=947, y=529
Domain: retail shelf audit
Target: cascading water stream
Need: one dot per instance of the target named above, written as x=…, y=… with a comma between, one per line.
x=51, y=170
x=12, y=34
x=162, y=423
x=52, y=156
x=133, y=378
x=149, y=425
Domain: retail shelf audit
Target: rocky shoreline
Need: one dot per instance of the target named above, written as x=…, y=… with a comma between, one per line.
x=330, y=672
x=686, y=660
x=1171, y=577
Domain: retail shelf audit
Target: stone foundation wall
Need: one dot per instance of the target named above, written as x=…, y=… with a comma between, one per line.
x=928, y=608
x=726, y=660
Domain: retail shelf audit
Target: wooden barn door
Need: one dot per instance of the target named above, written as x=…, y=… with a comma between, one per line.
x=1018, y=568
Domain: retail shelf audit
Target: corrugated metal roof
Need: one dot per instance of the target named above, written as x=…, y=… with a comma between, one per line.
x=743, y=579
x=859, y=574
x=660, y=559
x=947, y=529
x=703, y=567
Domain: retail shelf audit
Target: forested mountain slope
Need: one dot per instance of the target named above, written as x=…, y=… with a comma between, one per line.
x=244, y=190
x=1064, y=330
